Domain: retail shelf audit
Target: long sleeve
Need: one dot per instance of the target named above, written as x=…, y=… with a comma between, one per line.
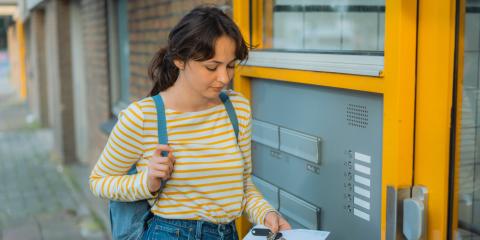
x=256, y=206
x=123, y=149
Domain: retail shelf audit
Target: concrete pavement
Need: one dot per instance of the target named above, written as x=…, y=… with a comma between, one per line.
x=39, y=199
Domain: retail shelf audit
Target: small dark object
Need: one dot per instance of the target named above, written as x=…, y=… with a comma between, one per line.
x=261, y=231
x=266, y=232
x=275, y=236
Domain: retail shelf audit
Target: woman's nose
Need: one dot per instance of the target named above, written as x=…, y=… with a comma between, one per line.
x=223, y=76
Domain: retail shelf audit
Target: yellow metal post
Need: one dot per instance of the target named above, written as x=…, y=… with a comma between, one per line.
x=399, y=97
x=21, y=59
x=241, y=15
x=436, y=47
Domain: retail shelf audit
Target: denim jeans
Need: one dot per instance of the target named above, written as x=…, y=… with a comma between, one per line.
x=175, y=229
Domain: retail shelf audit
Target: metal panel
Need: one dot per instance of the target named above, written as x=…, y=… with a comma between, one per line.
x=265, y=133
x=300, y=211
x=350, y=126
x=299, y=144
x=269, y=191
x=339, y=63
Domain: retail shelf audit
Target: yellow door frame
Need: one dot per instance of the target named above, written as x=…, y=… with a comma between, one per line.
x=396, y=83
x=435, y=79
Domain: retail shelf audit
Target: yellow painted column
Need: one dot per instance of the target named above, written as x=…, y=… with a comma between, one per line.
x=241, y=84
x=435, y=71
x=21, y=59
x=399, y=98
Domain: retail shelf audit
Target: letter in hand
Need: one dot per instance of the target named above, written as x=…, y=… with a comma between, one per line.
x=159, y=168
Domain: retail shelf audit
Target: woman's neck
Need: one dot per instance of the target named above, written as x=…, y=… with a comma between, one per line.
x=182, y=98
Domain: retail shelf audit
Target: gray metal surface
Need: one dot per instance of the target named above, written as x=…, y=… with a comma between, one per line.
x=302, y=212
x=345, y=184
x=395, y=198
x=269, y=191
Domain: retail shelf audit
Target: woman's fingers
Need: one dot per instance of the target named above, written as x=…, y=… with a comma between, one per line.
x=165, y=166
x=271, y=221
x=159, y=166
x=162, y=161
x=276, y=222
x=157, y=157
x=283, y=224
x=168, y=168
x=158, y=174
x=161, y=148
x=171, y=157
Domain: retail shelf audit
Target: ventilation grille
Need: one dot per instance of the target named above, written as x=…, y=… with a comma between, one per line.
x=357, y=115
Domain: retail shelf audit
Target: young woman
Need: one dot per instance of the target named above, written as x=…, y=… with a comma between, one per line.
x=207, y=172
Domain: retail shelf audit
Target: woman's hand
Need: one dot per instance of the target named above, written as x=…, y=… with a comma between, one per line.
x=159, y=168
x=276, y=222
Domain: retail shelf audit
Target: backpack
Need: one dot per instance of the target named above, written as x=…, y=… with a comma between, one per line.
x=129, y=219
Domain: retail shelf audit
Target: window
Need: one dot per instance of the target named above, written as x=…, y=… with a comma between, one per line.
x=322, y=35
x=469, y=166
x=119, y=52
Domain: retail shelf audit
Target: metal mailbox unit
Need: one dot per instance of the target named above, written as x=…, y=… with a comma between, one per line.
x=317, y=155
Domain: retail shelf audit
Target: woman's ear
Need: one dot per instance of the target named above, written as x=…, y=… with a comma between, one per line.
x=179, y=64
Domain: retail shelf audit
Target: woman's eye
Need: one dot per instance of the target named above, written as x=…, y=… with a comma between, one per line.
x=211, y=68
x=230, y=66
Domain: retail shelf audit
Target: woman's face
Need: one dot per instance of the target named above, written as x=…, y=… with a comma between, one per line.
x=208, y=78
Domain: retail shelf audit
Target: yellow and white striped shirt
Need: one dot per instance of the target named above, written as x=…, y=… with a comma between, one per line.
x=212, y=176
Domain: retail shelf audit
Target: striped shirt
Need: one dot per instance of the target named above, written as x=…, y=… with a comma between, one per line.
x=211, y=180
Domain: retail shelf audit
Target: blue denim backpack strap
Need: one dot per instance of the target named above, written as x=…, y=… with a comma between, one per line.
x=231, y=112
x=129, y=219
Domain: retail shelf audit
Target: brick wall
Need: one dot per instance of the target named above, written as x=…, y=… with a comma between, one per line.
x=96, y=55
x=149, y=22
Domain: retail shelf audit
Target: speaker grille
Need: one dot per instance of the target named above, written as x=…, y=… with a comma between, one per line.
x=357, y=115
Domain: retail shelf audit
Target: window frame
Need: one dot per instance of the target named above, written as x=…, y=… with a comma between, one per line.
x=342, y=62
x=321, y=62
x=118, y=59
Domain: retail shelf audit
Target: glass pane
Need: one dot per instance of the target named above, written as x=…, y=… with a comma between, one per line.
x=469, y=174
x=350, y=26
x=123, y=50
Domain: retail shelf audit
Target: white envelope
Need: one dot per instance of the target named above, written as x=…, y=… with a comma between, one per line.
x=294, y=234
